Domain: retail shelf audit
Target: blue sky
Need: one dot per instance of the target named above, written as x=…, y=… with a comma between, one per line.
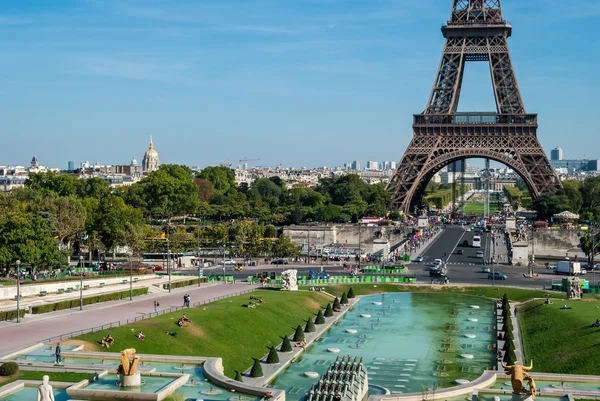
x=298, y=82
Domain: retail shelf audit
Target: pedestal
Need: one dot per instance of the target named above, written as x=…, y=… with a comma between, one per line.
x=522, y=397
x=134, y=380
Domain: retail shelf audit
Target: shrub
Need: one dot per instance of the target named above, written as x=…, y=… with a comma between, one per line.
x=74, y=303
x=299, y=334
x=286, y=345
x=272, y=357
x=351, y=293
x=329, y=310
x=11, y=314
x=507, y=326
x=238, y=376
x=9, y=369
x=320, y=318
x=256, y=370
x=186, y=283
x=344, y=300
x=509, y=357
x=310, y=326
x=336, y=303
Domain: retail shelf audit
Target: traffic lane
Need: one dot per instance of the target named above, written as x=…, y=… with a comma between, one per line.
x=469, y=255
x=444, y=244
x=474, y=274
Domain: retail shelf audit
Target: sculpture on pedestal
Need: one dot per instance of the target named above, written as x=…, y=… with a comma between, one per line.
x=45, y=392
x=574, y=288
x=127, y=370
x=288, y=280
x=518, y=375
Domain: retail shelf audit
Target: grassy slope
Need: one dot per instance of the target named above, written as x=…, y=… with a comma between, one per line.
x=224, y=328
x=471, y=207
x=54, y=376
x=562, y=341
x=514, y=294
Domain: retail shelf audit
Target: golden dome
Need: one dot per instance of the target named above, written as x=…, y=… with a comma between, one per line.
x=151, y=153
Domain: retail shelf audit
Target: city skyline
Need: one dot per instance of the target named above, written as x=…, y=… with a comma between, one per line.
x=333, y=80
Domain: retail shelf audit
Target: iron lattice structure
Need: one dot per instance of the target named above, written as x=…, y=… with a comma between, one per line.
x=476, y=31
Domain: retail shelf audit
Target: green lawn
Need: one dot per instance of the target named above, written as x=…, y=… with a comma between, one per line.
x=514, y=294
x=477, y=208
x=225, y=328
x=562, y=341
x=54, y=376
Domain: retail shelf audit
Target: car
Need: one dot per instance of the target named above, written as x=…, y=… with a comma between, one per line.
x=437, y=262
x=479, y=254
x=485, y=270
x=279, y=262
x=228, y=262
x=497, y=276
x=322, y=275
x=468, y=230
x=419, y=259
x=460, y=252
x=465, y=243
x=436, y=273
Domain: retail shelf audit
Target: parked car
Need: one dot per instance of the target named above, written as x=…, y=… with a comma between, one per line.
x=279, y=262
x=485, y=270
x=437, y=262
x=497, y=276
x=460, y=252
x=436, y=273
x=228, y=262
x=465, y=243
x=419, y=259
x=479, y=254
x=322, y=275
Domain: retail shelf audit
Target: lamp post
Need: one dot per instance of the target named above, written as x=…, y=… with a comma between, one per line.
x=18, y=263
x=169, y=266
x=308, y=243
x=130, y=281
x=198, y=253
x=81, y=282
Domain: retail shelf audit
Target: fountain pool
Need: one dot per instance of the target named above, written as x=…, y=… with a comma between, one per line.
x=42, y=354
x=150, y=384
x=30, y=393
x=411, y=340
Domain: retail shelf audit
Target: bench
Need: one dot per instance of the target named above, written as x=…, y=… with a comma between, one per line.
x=135, y=279
x=124, y=281
x=42, y=293
x=69, y=289
x=85, y=287
x=102, y=284
x=18, y=297
x=61, y=290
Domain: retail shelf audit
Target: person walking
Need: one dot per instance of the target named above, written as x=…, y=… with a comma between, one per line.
x=156, y=305
x=57, y=354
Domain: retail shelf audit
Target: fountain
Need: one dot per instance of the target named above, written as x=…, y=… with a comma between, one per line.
x=128, y=374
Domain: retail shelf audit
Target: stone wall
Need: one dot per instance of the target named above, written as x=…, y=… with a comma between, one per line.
x=348, y=235
x=556, y=243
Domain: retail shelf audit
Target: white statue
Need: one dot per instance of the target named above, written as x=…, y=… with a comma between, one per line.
x=289, y=281
x=574, y=288
x=45, y=392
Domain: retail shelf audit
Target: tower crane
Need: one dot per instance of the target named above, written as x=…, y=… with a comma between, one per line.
x=246, y=160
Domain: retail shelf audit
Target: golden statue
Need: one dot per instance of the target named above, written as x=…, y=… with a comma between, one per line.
x=129, y=362
x=518, y=374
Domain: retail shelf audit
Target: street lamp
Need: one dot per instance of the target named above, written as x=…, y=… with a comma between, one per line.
x=18, y=263
x=169, y=266
x=130, y=281
x=81, y=282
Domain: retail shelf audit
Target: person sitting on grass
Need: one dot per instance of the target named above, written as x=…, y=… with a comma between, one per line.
x=182, y=323
x=597, y=324
x=185, y=318
x=172, y=333
x=110, y=340
x=141, y=335
x=260, y=300
x=104, y=344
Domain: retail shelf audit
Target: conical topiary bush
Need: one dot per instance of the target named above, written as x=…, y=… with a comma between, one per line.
x=344, y=300
x=272, y=357
x=329, y=310
x=336, y=304
x=256, y=370
x=310, y=326
x=286, y=345
x=299, y=334
x=351, y=293
x=238, y=376
x=320, y=319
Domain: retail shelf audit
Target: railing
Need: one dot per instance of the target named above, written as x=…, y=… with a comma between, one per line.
x=474, y=118
x=142, y=317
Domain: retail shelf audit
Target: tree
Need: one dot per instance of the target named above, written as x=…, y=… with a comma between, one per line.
x=222, y=178
x=256, y=370
x=351, y=293
x=344, y=300
x=299, y=334
x=320, y=319
x=52, y=182
x=206, y=190
x=238, y=376
x=549, y=204
x=336, y=304
x=135, y=236
x=585, y=241
x=266, y=190
x=66, y=216
x=285, y=248
x=310, y=326
x=273, y=357
x=328, y=310
x=286, y=345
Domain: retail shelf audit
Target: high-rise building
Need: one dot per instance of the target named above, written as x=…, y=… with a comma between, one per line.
x=393, y=165
x=71, y=166
x=457, y=166
x=356, y=165
x=556, y=154
x=372, y=165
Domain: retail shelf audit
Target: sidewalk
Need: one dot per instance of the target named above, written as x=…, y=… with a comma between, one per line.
x=33, y=329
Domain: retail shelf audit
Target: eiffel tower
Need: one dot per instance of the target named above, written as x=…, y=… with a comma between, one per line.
x=441, y=135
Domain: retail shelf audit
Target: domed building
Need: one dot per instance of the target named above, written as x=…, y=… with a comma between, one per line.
x=150, y=162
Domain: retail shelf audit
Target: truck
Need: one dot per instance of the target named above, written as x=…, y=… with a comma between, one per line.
x=568, y=268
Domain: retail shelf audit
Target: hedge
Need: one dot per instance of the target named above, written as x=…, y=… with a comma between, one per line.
x=185, y=283
x=74, y=303
x=11, y=314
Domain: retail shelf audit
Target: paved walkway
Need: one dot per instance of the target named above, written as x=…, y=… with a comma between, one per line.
x=33, y=329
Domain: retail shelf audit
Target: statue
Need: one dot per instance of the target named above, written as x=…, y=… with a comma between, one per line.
x=45, y=392
x=128, y=367
x=289, y=281
x=574, y=288
x=518, y=374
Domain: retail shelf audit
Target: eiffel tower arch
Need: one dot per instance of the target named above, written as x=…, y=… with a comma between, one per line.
x=476, y=31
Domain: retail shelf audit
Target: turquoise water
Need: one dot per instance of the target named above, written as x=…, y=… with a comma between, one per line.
x=42, y=354
x=409, y=342
x=555, y=385
x=30, y=393
x=149, y=384
x=508, y=397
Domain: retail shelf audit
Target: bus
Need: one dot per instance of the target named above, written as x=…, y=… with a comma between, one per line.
x=476, y=241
